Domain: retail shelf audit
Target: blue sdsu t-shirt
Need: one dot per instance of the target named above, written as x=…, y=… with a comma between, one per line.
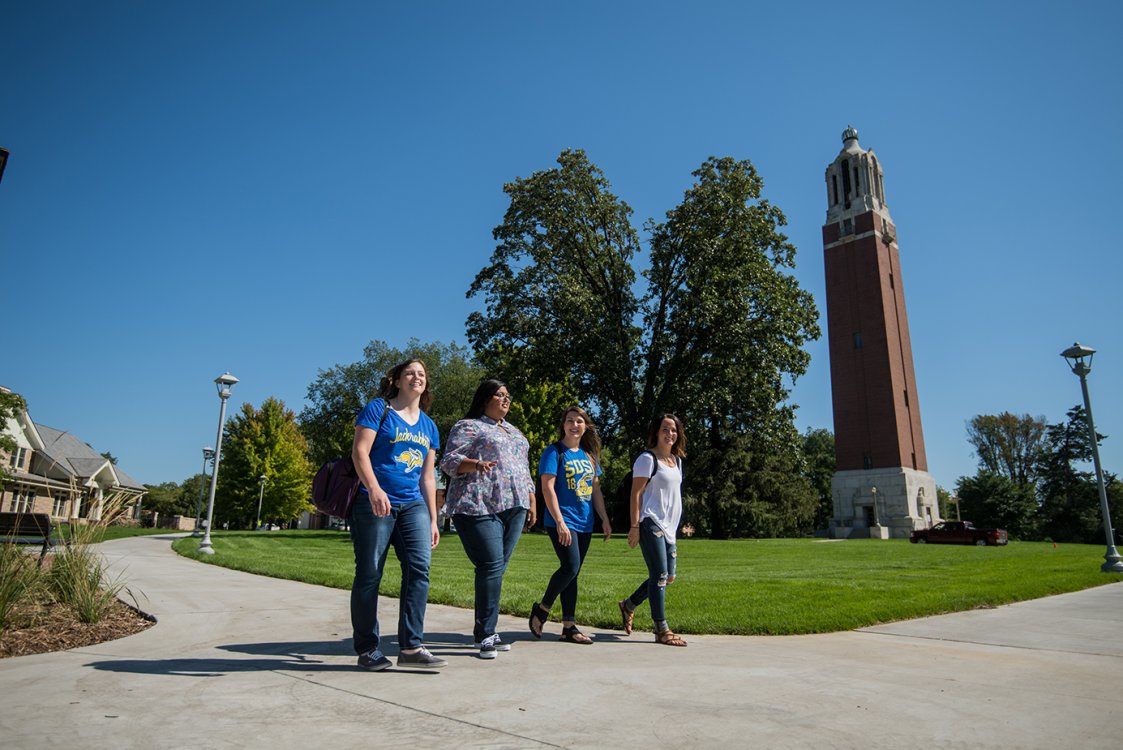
x=399, y=451
x=574, y=488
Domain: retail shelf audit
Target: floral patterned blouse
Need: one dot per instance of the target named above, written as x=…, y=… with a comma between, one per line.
x=508, y=485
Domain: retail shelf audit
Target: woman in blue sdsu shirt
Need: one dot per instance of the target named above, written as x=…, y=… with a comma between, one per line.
x=571, y=489
x=394, y=451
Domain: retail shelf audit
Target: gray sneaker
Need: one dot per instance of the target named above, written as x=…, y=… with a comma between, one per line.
x=373, y=661
x=422, y=659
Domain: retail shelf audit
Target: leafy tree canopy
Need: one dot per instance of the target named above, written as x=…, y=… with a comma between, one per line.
x=818, y=453
x=259, y=442
x=713, y=332
x=340, y=392
x=11, y=404
x=167, y=500
x=1008, y=444
x=1069, y=494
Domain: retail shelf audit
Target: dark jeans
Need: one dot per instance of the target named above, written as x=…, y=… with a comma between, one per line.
x=489, y=542
x=564, y=579
x=407, y=528
x=660, y=556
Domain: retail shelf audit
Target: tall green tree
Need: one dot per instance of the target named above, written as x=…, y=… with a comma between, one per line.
x=818, y=453
x=167, y=499
x=338, y=394
x=1008, y=444
x=1069, y=494
x=265, y=441
x=990, y=499
x=714, y=333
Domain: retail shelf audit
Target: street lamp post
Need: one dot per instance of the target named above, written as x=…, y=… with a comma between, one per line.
x=225, y=384
x=257, y=520
x=1077, y=355
x=208, y=454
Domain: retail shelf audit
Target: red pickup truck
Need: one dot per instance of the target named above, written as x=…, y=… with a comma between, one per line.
x=958, y=532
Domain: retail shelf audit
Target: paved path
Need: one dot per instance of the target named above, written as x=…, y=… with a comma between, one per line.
x=237, y=660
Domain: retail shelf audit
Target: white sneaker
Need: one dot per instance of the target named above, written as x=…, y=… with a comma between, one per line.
x=490, y=645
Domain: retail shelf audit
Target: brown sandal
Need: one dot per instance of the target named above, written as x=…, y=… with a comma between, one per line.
x=626, y=616
x=668, y=638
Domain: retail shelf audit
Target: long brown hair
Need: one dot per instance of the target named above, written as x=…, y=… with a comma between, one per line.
x=590, y=440
x=679, y=448
x=387, y=389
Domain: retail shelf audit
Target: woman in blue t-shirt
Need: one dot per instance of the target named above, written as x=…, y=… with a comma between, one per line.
x=571, y=490
x=394, y=451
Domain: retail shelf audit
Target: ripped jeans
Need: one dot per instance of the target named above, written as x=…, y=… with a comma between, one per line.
x=660, y=557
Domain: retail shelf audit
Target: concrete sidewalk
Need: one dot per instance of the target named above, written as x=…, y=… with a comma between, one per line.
x=237, y=660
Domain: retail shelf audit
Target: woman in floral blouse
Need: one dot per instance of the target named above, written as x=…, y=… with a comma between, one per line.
x=490, y=497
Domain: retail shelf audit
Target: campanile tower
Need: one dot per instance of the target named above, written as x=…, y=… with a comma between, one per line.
x=882, y=487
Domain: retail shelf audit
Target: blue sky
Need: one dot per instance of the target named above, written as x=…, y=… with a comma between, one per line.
x=209, y=186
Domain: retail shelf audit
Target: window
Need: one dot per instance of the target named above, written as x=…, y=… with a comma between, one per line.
x=857, y=341
x=59, y=510
x=23, y=500
x=867, y=461
x=906, y=400
x=17, y=459
x=891, y=286
x=834, y=190
x=846, y=178
x=914, y=460
x=857, y=182
x=847, y=227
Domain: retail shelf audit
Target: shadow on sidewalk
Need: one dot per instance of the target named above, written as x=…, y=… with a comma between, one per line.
x=294, y=656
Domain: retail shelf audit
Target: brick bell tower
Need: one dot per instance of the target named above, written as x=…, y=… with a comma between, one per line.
x=882, y=487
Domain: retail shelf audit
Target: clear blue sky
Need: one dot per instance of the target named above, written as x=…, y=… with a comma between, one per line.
x=209, y=186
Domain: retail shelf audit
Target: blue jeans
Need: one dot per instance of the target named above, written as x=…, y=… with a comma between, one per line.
x=489, y=542
x=660, y=556
x=407, y=528
x=564, y=579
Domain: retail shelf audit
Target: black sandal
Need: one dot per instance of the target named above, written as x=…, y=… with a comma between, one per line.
x=538, y=617
x=571, y=634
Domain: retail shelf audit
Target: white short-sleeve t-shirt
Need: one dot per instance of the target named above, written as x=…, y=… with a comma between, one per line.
x=662, y=497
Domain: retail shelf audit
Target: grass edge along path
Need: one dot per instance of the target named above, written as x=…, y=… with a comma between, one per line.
x=734, y=587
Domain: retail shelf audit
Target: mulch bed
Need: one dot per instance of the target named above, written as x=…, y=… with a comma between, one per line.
x=53, y=627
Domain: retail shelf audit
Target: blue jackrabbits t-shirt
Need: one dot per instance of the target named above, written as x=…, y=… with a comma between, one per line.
x=399, y=450
x=574, y=488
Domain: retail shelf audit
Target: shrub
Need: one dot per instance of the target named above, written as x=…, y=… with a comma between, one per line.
x=20, y=582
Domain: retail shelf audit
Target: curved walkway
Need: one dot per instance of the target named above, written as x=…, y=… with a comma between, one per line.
x=238, y=660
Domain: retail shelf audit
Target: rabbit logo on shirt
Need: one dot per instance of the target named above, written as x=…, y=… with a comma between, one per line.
x=410, y=458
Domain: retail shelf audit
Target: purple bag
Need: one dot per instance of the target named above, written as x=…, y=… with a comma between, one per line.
x=336, y=483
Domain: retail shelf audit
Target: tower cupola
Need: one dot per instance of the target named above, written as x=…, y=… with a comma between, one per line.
x=854, y=182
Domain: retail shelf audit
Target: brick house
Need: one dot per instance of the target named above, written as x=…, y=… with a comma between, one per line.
x=54, y=472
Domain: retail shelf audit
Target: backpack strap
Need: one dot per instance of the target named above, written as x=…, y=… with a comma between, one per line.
x=385, y=411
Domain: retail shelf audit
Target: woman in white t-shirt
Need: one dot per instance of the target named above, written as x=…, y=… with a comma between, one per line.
x=656, y=509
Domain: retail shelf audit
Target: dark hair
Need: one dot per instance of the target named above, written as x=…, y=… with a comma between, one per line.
x=387, y=389
x=590, y=440
x=484, y=392
x=679, y=448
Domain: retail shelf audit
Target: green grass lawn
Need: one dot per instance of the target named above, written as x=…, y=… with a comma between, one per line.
x=740, y=587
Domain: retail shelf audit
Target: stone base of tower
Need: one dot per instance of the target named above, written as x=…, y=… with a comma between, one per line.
x=882, y=503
